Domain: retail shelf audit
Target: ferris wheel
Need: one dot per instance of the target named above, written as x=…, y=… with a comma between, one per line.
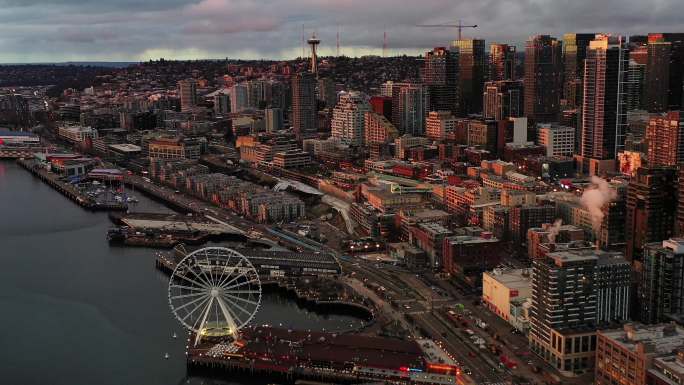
x=214, y=292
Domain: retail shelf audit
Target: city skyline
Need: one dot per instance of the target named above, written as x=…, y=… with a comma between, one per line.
x=121, y=30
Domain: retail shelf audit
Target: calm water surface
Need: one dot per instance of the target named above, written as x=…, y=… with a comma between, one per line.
x=75, y=311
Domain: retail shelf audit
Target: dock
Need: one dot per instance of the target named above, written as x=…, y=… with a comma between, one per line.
x=68, y=190
x=168, y=230
x=19, y=152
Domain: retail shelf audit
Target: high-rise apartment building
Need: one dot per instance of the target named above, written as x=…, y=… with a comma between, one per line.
x=661, y=284
x=636, y=73
x=604, y=111
x=611, y=236
x=559, y=141
x=326, y=92
x=439, y=124
x=259, y=94
x=543, y=78
x=501, y=62
x=679, y=223
x=382, y=105
x=238, y=97
x=651, y=208
x=410, y=105
x=274, y=119
x=503, y=99
x=573, y=292
x=378, y=129
x=665, y=137
x=221, y=103
x=348, y=119
x=472, y=62
x=574, y=52
x=304, y=112
x=188, y=94
x=440, y=75
x=664, y=86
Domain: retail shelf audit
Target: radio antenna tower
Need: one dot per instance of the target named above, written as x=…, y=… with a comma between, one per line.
x=338, y=40
x=384, y=41
x=303, y=43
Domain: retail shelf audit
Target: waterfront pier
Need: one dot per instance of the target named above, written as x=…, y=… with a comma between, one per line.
x=69, y=190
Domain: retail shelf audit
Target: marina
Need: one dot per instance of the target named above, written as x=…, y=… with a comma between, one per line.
x=78, y=196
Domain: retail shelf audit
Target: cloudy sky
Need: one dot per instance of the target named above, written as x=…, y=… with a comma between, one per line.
x=132, y=30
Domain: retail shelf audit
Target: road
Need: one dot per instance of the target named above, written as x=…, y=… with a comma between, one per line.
x=414, y=295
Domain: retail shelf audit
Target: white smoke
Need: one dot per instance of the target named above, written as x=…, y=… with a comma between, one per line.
x=554, y=230
x=595, y=198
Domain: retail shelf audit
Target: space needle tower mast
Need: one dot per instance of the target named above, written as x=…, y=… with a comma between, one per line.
x=314, y=42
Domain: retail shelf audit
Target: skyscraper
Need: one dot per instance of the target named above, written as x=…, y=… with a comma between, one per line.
x=238, y=97
x=574, y=52
x=679, y=222
x=348, y=118
x=440, y=75
x=651, y=208
x=274, y=119
x=471, y=73
x=665, y=137
x=327, y=92
x=604, y=113
x=304, y=112
x=501, y=62
x=503, y=99
x=410, y=102
x=259, y=94
x=543, y=78
x=665, y=72
x=635, y=84
x=221, y=103
x=188, y=94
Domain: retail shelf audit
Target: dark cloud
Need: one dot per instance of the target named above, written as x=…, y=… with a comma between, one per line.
x=55, y=30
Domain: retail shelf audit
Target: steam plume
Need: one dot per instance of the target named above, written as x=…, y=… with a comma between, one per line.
x=554, y=230
x=595, y=197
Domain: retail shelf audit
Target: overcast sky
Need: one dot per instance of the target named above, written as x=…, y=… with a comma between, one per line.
x=132, y=30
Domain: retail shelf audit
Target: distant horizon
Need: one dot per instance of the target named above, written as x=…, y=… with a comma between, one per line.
x=47, y=31
x=86, y=62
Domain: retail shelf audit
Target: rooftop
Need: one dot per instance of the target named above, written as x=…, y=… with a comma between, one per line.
x=561, y=257
x=4, y=132
x=433, y=227
x=125, y=147
x=657, y=339
x=515, y=278
x=673, y=364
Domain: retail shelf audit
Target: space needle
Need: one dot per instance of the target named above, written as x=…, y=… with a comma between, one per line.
x=313, y=42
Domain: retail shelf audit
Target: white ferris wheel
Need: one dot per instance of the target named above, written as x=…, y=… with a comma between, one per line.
x=214, y=292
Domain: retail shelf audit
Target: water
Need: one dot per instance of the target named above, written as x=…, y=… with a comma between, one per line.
x=75, y=311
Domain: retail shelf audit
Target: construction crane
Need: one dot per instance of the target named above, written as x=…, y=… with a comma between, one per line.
x=460, y=27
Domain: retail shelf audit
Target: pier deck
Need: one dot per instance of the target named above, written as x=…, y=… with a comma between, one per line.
x=68, y=190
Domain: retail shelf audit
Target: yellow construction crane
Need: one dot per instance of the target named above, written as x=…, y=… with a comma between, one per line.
x=460, y=26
